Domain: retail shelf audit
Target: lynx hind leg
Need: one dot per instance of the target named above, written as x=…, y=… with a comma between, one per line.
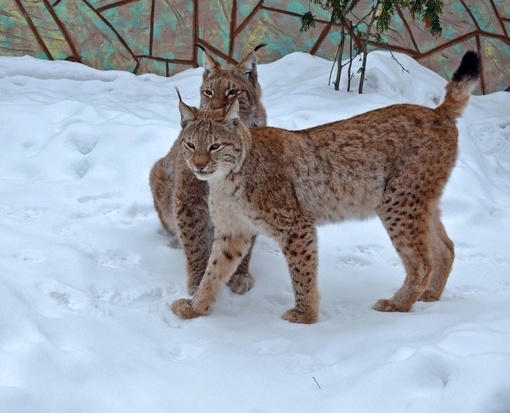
x=300, y=249
x=443, y=254
x=407, y=221
x=242, y=281
x=162, y=186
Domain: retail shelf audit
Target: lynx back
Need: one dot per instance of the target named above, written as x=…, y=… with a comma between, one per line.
x=392, y=163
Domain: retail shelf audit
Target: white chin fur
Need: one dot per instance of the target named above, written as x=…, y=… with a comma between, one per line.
x=203, y=177
x=218, y=173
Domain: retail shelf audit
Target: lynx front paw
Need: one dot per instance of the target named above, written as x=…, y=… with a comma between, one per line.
x=241, y=283
x=390, y=306
x=295, y=316
x=183, y=309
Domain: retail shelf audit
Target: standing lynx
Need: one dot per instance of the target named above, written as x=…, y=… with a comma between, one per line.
x=392, y=162
x=179, y=197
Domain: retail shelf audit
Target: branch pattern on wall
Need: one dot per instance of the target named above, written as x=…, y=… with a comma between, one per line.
x=160, y=36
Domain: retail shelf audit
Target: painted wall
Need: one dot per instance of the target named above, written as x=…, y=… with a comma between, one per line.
x=160, y=36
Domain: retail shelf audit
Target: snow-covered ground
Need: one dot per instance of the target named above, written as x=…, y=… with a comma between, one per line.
x=87, y=274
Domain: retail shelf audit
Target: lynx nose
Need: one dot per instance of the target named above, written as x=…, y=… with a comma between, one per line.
x=217, y=103
x=200, y=161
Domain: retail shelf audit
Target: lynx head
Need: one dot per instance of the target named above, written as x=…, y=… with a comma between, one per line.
x=221, y=86
x=213, y=142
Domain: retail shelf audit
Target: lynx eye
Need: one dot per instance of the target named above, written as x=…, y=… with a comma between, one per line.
x=214, y=147
x=232, y=93
x=189, y=145
x=208, y=93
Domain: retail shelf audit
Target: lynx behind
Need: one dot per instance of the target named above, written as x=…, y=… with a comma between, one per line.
x=392, y=162
x=221, y=86
x=179, y=197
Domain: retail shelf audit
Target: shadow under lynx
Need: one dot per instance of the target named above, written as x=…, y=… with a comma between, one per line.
x=179, y=197
x=392, y=162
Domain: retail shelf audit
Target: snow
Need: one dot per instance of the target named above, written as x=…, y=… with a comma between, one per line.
x=87, y=274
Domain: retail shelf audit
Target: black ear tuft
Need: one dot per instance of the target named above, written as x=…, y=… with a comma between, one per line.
x=260, y=46
x=178, y=94
x=188, y=113
x=211, y=66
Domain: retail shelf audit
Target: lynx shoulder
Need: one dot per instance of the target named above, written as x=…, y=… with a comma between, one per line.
x=392, y=163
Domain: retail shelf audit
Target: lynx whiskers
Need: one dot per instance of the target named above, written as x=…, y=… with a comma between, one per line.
x=179, y=197
x=392, y=162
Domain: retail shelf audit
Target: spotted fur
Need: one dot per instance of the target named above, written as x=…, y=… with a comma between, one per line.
x=392, y=162
x=221, y=86
x=179, y=197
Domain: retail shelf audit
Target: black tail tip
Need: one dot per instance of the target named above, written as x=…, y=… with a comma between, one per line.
x=469, y=68
x=260, y=46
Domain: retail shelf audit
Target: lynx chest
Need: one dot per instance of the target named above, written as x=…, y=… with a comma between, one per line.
x=227, y=204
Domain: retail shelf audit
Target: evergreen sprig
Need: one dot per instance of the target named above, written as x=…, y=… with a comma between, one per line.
x=380, y=16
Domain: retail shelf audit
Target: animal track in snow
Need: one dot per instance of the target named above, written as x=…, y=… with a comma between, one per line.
x=464, y=253
x=352, y=261
x=116, y=258
x=304, y=363
x=268, y=245
x=67, y=296
x=31, y=255
x=491, y=138
x=130, y=298
x=107, y=213
x=80, y=168
x=270, y=346
x=98, y=197
x=140, y=211
x=23, y=214
x=340, y=310
x=184, y=352
x=107, y=208
x=85, y=145
x=68, y=229
x=362, y=256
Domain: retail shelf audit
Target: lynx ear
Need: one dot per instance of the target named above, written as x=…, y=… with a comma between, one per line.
x=211, y=66
x=232, y=116
x=188, y=114
x=249, y=64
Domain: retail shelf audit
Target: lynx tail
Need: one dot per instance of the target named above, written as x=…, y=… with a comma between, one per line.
x=463, y=82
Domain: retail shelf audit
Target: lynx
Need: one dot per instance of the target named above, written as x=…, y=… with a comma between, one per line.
x=179, y=197
x=392, y=162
